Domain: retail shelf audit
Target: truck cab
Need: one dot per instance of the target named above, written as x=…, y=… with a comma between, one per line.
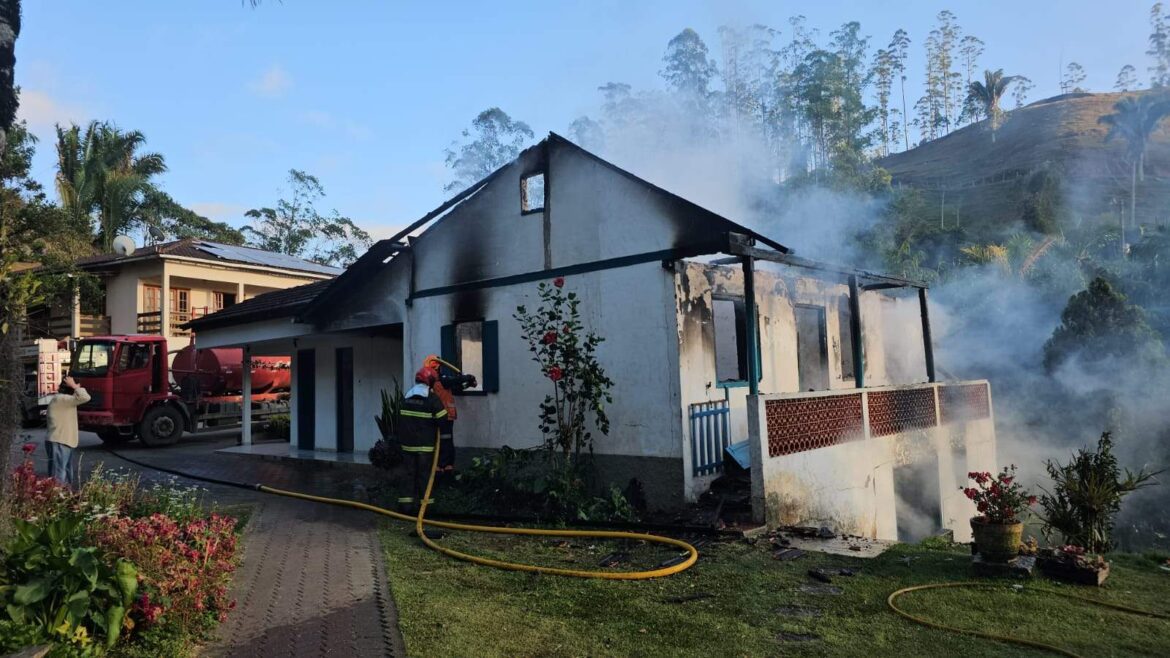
x=128, y=380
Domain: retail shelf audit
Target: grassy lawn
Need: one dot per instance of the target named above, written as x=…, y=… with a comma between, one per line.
x=738, y=601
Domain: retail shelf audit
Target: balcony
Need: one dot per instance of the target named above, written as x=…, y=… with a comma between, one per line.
x=61, y=326
x=151, y=321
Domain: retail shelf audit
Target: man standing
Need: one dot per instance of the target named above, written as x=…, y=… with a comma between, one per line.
x=419, y=421
x=445, y=389
x=62, y=421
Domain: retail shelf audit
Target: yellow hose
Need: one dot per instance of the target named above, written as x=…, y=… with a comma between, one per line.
x=1006, y=638
x=420, y=521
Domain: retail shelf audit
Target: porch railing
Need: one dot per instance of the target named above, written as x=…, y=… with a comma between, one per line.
x=710, y=435
x=150, y=322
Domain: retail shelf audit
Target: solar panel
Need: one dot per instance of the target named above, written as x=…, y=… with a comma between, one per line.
x=267, y=258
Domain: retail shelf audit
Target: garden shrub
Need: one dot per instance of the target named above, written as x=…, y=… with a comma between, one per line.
x=186, y=567
x=68, y=591
x=1086, y=495
x=279, y=426
x=182, y=560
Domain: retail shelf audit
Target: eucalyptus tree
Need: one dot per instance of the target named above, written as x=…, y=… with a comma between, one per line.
x=1126, y=79
x=493, y=140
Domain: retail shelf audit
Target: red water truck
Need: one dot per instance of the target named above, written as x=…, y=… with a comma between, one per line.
x=136, y=393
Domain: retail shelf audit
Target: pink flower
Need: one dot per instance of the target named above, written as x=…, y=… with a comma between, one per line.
x=28, y=448
x=559, y=282
x=1031, y=500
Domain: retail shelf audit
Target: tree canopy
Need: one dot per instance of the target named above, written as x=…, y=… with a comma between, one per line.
x=295, y=227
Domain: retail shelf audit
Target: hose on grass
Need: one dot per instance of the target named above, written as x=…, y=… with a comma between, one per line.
x=890, y=601
x=420, y=521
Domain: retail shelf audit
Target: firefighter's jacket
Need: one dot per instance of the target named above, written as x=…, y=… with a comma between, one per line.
x=419, y=419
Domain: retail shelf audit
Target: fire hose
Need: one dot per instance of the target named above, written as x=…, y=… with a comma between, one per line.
x=692, y=554
x=1006, y=638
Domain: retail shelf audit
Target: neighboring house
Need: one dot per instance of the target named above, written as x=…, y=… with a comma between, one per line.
x=677, y=320
x=156, y=289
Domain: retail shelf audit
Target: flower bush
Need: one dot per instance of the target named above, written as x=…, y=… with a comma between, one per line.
x=999, y=499
x=185, y=567
x=181, y=556
x=567, y=355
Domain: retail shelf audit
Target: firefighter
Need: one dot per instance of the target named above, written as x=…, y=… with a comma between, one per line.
x=445, y=389
x=419, y=420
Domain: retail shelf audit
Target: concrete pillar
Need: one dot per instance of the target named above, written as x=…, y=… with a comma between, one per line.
x=239, y=292
x=164, y=304
x=246, y=430
x=75, y=311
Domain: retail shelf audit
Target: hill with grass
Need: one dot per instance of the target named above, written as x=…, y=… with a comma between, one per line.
x=1048, y=165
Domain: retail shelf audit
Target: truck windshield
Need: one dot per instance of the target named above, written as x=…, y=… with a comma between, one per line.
x=92, y=359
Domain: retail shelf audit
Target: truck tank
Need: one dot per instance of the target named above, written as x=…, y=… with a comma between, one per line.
x=219, y=371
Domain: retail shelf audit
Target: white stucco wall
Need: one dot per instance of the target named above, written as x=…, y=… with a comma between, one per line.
x=630, y=307
x=850, y=486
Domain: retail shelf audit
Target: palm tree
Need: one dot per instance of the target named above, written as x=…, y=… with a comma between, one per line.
x=987, y=94
x=1135, y=118
x=101, y=175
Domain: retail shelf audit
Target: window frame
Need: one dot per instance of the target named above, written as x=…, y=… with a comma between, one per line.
x=489, y=379
x=740, y=310
x=525, y=205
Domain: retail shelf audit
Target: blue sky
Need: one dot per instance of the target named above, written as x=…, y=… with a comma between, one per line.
x=366, y=95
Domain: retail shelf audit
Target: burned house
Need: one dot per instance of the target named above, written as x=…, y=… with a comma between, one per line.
x=714, y=335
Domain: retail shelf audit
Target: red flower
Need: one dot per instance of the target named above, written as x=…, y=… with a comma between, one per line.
x=555, y=373
x=28, y=448
x=549, y=338
x=1031, y=500
x=559, y=282
x=567, y=329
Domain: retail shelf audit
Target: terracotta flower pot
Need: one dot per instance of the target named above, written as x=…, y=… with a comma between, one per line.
x=997, y=542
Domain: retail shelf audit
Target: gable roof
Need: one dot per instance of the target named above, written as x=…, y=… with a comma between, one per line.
x=270, y=305
x=214, y=252
x=361, y=270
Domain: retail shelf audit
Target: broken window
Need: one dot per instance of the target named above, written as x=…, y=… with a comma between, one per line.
x=474, y=348
x=222, y=300
x=532, y=193
x=845, y=336
x=731, y=356
x=812, y=355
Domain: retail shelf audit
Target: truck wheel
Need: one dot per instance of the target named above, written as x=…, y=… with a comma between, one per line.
x=112, y=437
x=161, y=426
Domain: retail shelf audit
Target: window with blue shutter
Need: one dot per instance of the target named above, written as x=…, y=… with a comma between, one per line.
x=475, y=348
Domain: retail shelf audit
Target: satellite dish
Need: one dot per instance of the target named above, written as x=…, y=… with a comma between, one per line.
x=124, y=245
x=156, y=233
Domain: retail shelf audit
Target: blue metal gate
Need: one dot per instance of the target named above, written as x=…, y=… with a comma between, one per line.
x=709, y=436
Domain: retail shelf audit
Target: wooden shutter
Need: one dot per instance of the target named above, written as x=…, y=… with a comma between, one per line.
x=447, y=344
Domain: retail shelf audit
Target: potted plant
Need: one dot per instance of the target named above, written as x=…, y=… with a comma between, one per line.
x=1000, y=501
x=1086, y=495
x=1073, y=564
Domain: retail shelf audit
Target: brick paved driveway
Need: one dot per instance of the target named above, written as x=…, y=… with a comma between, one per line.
x=312, y=581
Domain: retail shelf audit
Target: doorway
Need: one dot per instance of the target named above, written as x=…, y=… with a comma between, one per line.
x=812, y=350
x=306, y=399
x=344, y=399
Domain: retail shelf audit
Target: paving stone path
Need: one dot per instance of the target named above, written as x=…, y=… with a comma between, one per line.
x=312, y=581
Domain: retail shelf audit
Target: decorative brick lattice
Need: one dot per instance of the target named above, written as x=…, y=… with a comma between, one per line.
x=964, y=402
x=891, y=412
x=802, y=424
